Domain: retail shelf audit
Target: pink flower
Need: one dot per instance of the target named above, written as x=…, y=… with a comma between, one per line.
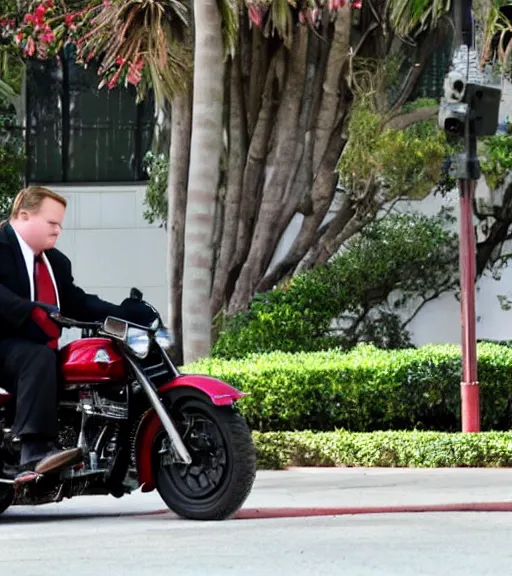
x=358, y=4
x=18, y=38
x=114, y=79
x=135, y=72
x=47, y=37
x=29, y=19
x=39, y=14
x=31, y=47
x=256, y=14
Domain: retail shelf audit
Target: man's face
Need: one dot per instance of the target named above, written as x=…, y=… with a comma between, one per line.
x=41, y=229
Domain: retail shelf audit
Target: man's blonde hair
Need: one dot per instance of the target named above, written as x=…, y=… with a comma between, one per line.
x=31, y=198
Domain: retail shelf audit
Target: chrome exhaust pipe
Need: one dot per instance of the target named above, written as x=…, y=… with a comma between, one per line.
x=162, y=413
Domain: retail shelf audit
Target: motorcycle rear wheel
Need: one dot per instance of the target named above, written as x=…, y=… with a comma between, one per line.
x=223, y=467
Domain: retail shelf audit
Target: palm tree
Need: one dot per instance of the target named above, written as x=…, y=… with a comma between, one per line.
x=205, y=153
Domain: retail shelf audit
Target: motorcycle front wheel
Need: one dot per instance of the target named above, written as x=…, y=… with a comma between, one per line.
x=219, y=479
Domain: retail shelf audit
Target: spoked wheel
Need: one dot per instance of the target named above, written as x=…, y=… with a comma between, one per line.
x=217, y=482
x=6, y=497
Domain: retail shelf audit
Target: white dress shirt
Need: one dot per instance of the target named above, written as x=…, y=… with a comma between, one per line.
x=28, y=256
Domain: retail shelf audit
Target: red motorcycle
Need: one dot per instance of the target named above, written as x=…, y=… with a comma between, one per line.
x=139, y=423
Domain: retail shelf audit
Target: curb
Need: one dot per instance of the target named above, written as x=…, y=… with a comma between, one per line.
x=255, y=513
x=289, y=512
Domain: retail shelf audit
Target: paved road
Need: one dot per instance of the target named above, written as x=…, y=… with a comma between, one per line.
x=131, y=536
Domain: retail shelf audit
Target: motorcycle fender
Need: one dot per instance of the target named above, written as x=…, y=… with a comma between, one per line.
x=219, y=393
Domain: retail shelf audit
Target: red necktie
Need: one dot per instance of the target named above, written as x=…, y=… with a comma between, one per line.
x=45, y=292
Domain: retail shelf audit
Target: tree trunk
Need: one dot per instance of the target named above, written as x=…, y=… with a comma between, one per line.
x=280, y=167
x=179, y=156
x=206, y=148
x=236, y=159
x=331, y=88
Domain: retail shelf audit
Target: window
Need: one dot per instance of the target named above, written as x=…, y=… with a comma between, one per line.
x=78, y=133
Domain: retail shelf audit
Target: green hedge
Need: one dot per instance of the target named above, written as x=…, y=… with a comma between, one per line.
x=366, y=389
x=277, y=450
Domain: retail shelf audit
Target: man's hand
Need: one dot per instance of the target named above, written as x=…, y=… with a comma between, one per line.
x=43, y=329
x=138, y=311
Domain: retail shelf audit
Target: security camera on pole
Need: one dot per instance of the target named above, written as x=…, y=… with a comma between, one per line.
x=469, y=109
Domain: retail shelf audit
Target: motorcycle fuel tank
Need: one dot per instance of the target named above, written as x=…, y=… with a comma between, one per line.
x=92, y=360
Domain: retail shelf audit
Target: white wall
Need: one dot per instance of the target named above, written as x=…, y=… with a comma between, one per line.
x=439, y=320
x=111, y=246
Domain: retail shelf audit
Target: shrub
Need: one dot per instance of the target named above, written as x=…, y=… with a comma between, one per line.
x=276, y=450
x=409, y=255
x=155, y=202
x=12, y=163
x=366, y=389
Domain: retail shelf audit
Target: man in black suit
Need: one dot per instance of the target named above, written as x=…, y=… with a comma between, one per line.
x=35, y=278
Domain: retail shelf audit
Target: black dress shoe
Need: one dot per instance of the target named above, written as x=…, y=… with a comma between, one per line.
x=59, y=460
x=43, y=458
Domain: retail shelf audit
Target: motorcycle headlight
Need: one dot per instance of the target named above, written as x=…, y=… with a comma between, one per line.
x=137, y=341
x=164, y=339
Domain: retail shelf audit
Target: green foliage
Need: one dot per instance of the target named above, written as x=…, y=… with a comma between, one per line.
x=496, y=160
x=415, y=16
x=277, y=450
x=411, y=160
x=405, y=162
x=366, y=389
x=157, y=168
x=230, y=17
x=357, y=164
x=412, y=255
x=12, y=163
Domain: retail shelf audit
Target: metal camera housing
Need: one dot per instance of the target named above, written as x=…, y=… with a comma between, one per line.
x=469, y=95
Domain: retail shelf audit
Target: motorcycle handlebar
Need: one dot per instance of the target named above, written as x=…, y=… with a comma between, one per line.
x=70, y=323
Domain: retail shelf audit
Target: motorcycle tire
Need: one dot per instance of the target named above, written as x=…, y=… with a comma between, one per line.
x=223, y=468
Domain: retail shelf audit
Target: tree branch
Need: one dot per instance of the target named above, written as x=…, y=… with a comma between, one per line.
x=236, y=159
x=427, y=47
x=442, y=289
x=402, y=121
x=253, y=172
x=338, y=57
x=323, y=190
x=499, y=230
x=279, y=161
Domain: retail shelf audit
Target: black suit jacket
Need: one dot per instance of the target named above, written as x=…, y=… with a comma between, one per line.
x=15, y=304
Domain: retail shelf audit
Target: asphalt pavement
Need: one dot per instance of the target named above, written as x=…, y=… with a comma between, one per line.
x=300, y=521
